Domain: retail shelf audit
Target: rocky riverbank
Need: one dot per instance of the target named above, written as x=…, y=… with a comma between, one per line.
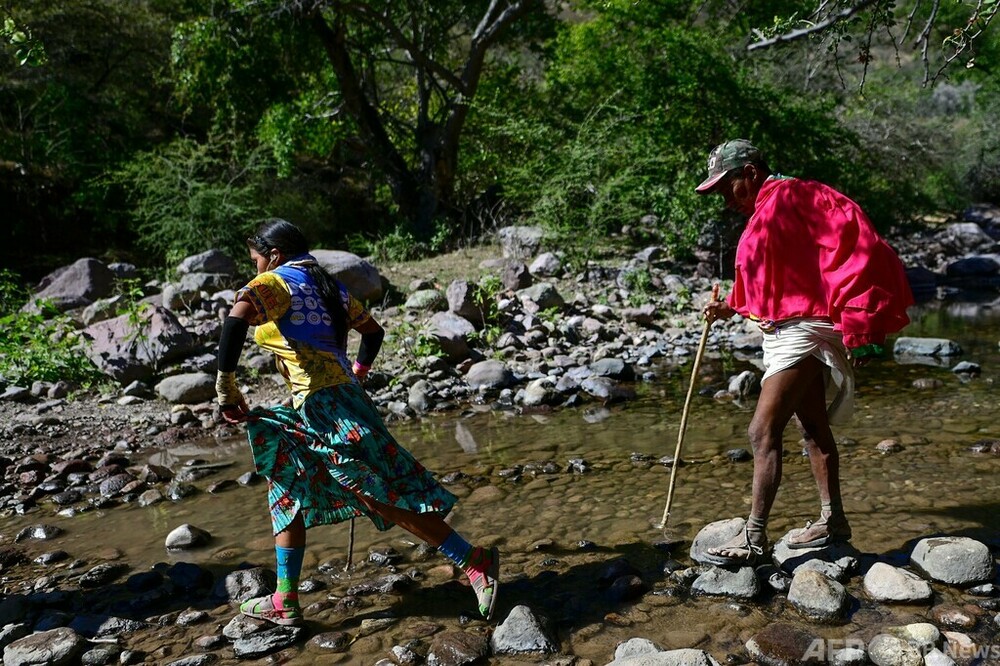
x=510, y=326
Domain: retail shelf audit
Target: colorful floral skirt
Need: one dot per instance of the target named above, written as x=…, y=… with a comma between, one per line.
x=316, y=456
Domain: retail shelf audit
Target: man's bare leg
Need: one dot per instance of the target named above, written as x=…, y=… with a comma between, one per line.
x=781, y=396
x=824, y=460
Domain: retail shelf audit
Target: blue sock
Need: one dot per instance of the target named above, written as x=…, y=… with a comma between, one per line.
x=456, y=549
x=289, y=568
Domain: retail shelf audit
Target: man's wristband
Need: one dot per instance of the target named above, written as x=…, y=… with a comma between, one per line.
x=360, y=369
x=870, y=350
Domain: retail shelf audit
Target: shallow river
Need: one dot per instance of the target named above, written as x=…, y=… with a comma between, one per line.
x=934, y=485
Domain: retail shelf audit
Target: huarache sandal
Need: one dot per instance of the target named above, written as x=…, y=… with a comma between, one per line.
x=262, y=608
x=743, y=552
x=484, y=574
x=825, y=531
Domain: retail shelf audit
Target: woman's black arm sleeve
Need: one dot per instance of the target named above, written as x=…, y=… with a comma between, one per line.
x=234, y=334
x=370, y=344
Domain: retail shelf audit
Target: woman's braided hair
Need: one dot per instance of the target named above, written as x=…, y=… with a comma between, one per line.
x=278, y=234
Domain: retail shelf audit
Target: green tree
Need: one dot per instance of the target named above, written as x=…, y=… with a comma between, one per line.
x=406, y=75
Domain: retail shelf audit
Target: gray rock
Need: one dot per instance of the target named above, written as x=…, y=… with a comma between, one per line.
x=884, y=582
x=975, y=266
x=966, y=237
x=265, y=642
x=187, y=536
x=515, y=276
x=451, y=332
x=242, y=626
x=682, y=657
x=607, y=389
x=187, y=389
x=739, y=584
x=360, y=277
x=51, y=648
x=888, y=650
x=935, y=657
x=714, y=535
x=520, y=242
x=197, y=660
x=331, y=641
x=543, y=295
x=38, y=533
x=522, y=631
x=849, y=656
x=489, y=375
x=546, y=264
x=74, y=286
x=102, y=574
x=456, y=648
x=790, y=559
x=744, y=384
x=245, y=584
x=464, y=300
x=541, y=391
x=925, y=347
x=614, y=368
x=209, y=261
x=11, y=632
x=817, y=596
x=126, y=353
x=953, y=560
x=635, y=647
x=426, y=300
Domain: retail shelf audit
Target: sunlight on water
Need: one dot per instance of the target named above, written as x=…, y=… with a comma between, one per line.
x=934, y=485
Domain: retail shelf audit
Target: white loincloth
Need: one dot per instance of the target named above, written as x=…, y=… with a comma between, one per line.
x=797, y=339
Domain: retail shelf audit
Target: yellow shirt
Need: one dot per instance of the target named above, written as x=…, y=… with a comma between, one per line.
x=293, y=323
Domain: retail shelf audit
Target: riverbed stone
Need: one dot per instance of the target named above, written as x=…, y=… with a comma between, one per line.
x=490, y=375
x=543, y=295
x=780, y=644
x=717, y=581
x=11, y=632
x=713, y=535
x=102, y=574
x=187, y=388
x=887, y=583
x=937, y=658
x=849, y=656
x=921, y=634
x=926, y=347
x=635, y=647
x=889, y=650
x=245, y=584
x=331, y=641
x=789, y=559
x=187, y=536
x=681, y=657
x=816, y=596
x=520, y=241
x=265, y=642
x=547, y=264
x=103, y=626
x=426, y=300
x=457, y=648
x=522, y=631
x=953, y=560
x=52, y=648
x=38, y=533
x=839, y=571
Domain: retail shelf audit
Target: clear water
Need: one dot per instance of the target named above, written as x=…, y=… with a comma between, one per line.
x=934, y=485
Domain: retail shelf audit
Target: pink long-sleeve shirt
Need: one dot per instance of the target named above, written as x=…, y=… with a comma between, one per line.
x=809, y=251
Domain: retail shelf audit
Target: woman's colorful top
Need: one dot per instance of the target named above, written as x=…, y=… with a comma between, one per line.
x=294, y=324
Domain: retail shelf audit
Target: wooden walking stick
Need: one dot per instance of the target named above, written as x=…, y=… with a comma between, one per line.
x=684, y=414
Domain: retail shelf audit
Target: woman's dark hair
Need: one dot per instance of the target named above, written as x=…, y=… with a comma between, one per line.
x=278, y=234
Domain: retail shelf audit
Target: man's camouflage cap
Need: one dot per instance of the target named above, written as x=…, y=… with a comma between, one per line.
x=724, y=158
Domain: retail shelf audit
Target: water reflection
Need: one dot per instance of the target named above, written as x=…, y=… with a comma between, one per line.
x=935, y=485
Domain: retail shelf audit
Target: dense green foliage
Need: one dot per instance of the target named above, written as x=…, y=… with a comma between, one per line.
x=38, y=346
x=151, y=130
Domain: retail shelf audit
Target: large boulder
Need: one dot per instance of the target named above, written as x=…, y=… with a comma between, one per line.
x=360, y=277
x=74, y=286
x=210, y=261
x=128, y=353
x=953, y=560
